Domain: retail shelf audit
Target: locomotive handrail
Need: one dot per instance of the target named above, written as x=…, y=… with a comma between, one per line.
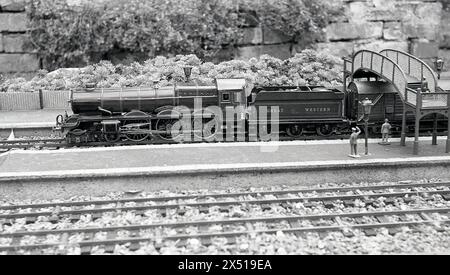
x=425, y=70
x=383, y=66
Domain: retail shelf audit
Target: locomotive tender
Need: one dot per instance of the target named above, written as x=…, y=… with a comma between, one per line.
x=143, y=114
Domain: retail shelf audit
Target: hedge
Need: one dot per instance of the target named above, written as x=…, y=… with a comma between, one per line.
x=306, y=68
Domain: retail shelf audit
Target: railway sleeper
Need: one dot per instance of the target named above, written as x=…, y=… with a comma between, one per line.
x=181, y=212
x=231, y=240
x=206, y=242
x=370, y=232
x=382, y=219
x=85, y=250
x=30, y=220
x=393, y=231
x=328, y=204
x=88, y=236
x=348, y=233
x=74, y=218
x=110, y=248
x=408, y=200
x=204, y=210
x=295, y=224
x=134, y=246
x=266, y=207
x=53, y=219
x=181, y=243
x=390, y=201
x=97, y=216
x=224, y=209
x=349, y=203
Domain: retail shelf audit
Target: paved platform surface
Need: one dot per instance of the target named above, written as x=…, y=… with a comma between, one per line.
x=27, y=119
x=167, y=157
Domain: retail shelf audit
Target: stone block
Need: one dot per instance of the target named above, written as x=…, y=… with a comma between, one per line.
x=351, y=30
x=252, y=36
x=445, y=41
x=17, y=43
x=424, y=49
x=393, y=31
x=445, y=30
x=18, y=63
x=12, y=5
x=376, y=10
x=421, y=20
x=13, y=22
x=281, y=51
x=275, y=37
x=379, y=45
x=223, y=55
x=339, y=49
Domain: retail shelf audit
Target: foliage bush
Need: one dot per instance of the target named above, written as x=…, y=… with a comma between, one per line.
x=66, y=34
x=305, y=68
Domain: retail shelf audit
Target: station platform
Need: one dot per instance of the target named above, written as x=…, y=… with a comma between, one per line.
x=210, y=154
x=29, y=119
x=48, y=174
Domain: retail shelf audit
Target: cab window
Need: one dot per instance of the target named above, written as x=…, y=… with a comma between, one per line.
x=226, y=97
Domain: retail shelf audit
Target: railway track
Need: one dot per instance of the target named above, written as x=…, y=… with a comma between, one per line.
x=161, y=219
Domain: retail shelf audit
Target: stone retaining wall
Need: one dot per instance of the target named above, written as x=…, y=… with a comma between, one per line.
x=421, y=27
x=16, y=54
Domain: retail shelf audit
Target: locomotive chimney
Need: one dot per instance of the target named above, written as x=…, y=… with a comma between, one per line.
x=187, y=72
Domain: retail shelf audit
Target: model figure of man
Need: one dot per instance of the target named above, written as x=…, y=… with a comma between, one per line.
x=354, y=142
x=385, y=130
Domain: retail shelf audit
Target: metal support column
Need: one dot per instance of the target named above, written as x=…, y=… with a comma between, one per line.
x=417, y=127
x=403, y=135
x=435, y=125
x=447, y=147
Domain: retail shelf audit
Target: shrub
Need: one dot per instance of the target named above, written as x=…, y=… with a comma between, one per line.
x=67, y=35
x=305, y=68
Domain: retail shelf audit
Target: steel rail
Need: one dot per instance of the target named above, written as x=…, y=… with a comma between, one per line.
x=91, y=243
x=225, y=221
x=229, y=195
x=219, y=203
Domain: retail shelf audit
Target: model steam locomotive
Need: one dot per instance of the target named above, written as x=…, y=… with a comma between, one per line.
x=143, y=114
